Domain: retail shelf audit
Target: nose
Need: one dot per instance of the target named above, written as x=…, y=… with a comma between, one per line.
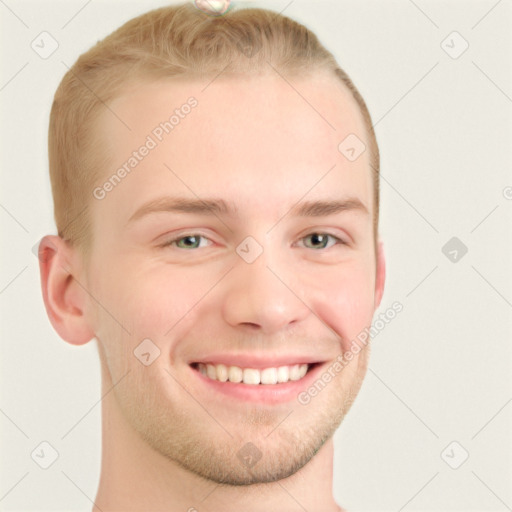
x=263, y=297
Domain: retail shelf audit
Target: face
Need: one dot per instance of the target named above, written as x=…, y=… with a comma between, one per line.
x=201, y=248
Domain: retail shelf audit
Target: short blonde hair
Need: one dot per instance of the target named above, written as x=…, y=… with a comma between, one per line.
x=171, y=41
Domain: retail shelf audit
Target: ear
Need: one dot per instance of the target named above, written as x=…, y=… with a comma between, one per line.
x=380, y=275
x=64, y=296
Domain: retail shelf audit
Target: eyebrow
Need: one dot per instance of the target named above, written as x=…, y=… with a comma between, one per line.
x=213, y=206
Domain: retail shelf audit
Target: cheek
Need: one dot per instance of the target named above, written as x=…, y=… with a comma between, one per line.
x=160, y=302
x=346, y=303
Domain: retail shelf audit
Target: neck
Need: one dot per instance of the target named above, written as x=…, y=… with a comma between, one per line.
x=135, y=477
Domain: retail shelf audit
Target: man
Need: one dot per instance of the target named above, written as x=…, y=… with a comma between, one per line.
x=215, y=182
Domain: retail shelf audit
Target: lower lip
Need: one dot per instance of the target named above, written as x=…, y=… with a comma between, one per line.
x=261, y=393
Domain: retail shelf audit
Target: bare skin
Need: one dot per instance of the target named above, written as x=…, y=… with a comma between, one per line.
x=170, y=440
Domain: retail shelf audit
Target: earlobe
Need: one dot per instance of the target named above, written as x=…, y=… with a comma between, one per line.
x=380, y=276
x=64, y=298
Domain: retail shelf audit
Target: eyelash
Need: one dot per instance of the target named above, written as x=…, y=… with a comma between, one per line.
x=169, y=243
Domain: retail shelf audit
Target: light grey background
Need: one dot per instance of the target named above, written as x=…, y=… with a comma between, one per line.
x=439, y=372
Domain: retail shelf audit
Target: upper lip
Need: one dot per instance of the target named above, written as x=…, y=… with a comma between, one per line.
x=257, y=361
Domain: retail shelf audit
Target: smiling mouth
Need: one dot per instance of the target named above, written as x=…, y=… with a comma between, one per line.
x=254, y=376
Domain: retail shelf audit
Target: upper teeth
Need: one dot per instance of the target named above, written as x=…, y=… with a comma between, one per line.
x=280, y=374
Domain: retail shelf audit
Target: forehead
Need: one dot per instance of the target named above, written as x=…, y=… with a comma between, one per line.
x=263, y=139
